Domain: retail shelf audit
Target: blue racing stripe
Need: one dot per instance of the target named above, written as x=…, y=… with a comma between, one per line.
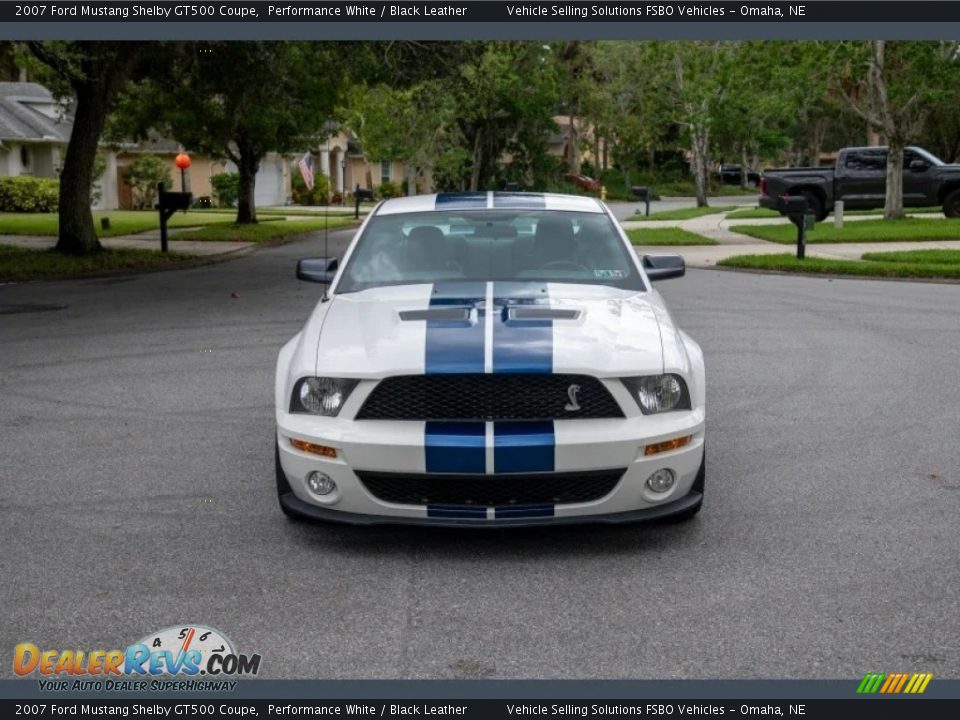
x=519, y=201
x=461, y=201
x=455, y=346
x=521, y=346
x=520, y=447
x=522, y=511
x=455, y=447
x=456, y=511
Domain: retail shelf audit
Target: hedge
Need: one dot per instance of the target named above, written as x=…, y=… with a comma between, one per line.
x=28, y=194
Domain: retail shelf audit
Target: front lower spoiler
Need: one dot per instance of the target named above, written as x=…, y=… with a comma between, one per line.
x=298, y=507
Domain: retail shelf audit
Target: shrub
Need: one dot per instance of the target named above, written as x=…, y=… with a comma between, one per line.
x=388, y=189
x=226, y=188
x=143, y=175
x=28, y=194
x=320, y=195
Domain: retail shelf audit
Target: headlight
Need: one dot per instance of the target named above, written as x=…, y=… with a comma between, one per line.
x=659, y=393
x=321, y=396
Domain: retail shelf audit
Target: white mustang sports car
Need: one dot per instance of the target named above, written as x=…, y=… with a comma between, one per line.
x=490, y=359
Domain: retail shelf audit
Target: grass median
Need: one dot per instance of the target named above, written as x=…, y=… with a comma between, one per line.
x=667, y=236
x=759, y=212
x=274, y=231
x=18, y=263
x=907, y=230
x=122, y=222
x=684, y=213
x=908, y=264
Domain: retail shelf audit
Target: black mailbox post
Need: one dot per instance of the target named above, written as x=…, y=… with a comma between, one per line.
x=642, y=194
x=358, y=195
x=796, y=208
x=169, y=203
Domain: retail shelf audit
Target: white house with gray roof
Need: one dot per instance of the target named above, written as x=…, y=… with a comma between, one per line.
x=34, y=130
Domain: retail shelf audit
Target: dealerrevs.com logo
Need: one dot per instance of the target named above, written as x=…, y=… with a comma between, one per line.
x=185, y=651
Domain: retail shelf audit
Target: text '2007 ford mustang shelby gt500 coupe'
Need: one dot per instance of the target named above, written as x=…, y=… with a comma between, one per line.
x=490, y=359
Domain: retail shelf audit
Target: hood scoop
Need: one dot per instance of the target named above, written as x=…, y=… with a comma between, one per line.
x=519, y=313
x=437, y=313
x=529, y=312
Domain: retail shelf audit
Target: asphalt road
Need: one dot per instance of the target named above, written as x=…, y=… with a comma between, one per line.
x=136, y=492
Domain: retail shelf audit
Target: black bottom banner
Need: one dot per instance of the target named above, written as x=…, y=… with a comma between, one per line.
x=873, y=708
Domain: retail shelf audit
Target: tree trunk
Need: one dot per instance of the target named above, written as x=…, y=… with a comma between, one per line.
x=248, y=163
x=477, y=158
x=573, y=145
x=893, y=203
x=77, y=235
x=744, y=179
x=411, y=172
x=700, y=141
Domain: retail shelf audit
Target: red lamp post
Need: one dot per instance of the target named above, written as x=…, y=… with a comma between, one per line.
x=182, y=161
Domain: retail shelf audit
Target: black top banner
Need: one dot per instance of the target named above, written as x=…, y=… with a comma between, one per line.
x=374, y=11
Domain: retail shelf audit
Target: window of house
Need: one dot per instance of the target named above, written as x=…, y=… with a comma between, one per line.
x=384, y=171
x=24, y=156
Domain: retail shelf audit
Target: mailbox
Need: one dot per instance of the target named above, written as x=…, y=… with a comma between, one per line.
x=169, y=203
x=642, y=193
x=797, y=209
x=358, y=195
x=792, y=204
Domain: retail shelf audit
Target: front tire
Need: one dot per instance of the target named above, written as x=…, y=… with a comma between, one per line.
x=951, y=204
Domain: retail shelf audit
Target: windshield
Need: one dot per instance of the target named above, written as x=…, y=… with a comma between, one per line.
x=488, y=245
x=927, y=155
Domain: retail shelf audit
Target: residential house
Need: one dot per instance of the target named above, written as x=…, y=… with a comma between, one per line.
x=34, y=129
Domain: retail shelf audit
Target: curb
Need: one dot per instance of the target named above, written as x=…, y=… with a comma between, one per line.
x=830, y=276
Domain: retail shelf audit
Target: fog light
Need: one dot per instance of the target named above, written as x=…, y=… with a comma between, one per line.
x=320, y=483
x=661, y=481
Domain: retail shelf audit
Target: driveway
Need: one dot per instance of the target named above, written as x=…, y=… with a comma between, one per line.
x=136, y=492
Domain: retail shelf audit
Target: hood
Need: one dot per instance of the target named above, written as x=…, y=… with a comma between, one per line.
x=492, y=327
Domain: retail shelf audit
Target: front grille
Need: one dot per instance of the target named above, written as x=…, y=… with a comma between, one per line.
x=490, y=490
x=488, y=397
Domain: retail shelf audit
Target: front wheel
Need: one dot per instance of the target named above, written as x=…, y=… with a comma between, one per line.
x=951, y=204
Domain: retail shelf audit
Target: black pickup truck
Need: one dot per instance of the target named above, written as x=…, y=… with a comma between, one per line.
x=860, y=181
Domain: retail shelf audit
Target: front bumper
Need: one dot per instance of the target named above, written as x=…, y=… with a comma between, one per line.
x=581, y=446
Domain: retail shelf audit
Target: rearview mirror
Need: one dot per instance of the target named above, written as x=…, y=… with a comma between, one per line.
x=318, y=270
x=662, y=267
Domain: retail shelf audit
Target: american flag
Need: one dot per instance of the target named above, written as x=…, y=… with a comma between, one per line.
x=306, y=170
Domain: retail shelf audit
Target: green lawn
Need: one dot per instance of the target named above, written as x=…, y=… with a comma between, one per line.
x=685, y=213
x=751, y=213
x=910, y=229
x=18, y=263
x=759, y=212
x=667, y=236
x=929, y=264
x=122, y=222
x=274, y=231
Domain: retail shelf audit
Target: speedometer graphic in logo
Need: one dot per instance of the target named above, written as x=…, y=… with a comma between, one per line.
x=181, y=639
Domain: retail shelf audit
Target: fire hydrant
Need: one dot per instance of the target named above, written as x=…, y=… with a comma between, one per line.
x=603, y=193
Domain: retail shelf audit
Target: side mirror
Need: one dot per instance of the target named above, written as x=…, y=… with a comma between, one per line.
x=918, y=165
x=663, y=267
x=318, y=270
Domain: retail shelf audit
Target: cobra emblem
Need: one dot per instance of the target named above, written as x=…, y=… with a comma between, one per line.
x=573, y=405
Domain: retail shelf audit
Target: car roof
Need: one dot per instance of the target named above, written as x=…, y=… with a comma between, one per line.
x=490, y=200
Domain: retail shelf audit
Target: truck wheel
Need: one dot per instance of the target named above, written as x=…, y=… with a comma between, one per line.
x=951, y=204
x=815, y=205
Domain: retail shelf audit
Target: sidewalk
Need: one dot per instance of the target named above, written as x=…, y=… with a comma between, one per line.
x=149, y=240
